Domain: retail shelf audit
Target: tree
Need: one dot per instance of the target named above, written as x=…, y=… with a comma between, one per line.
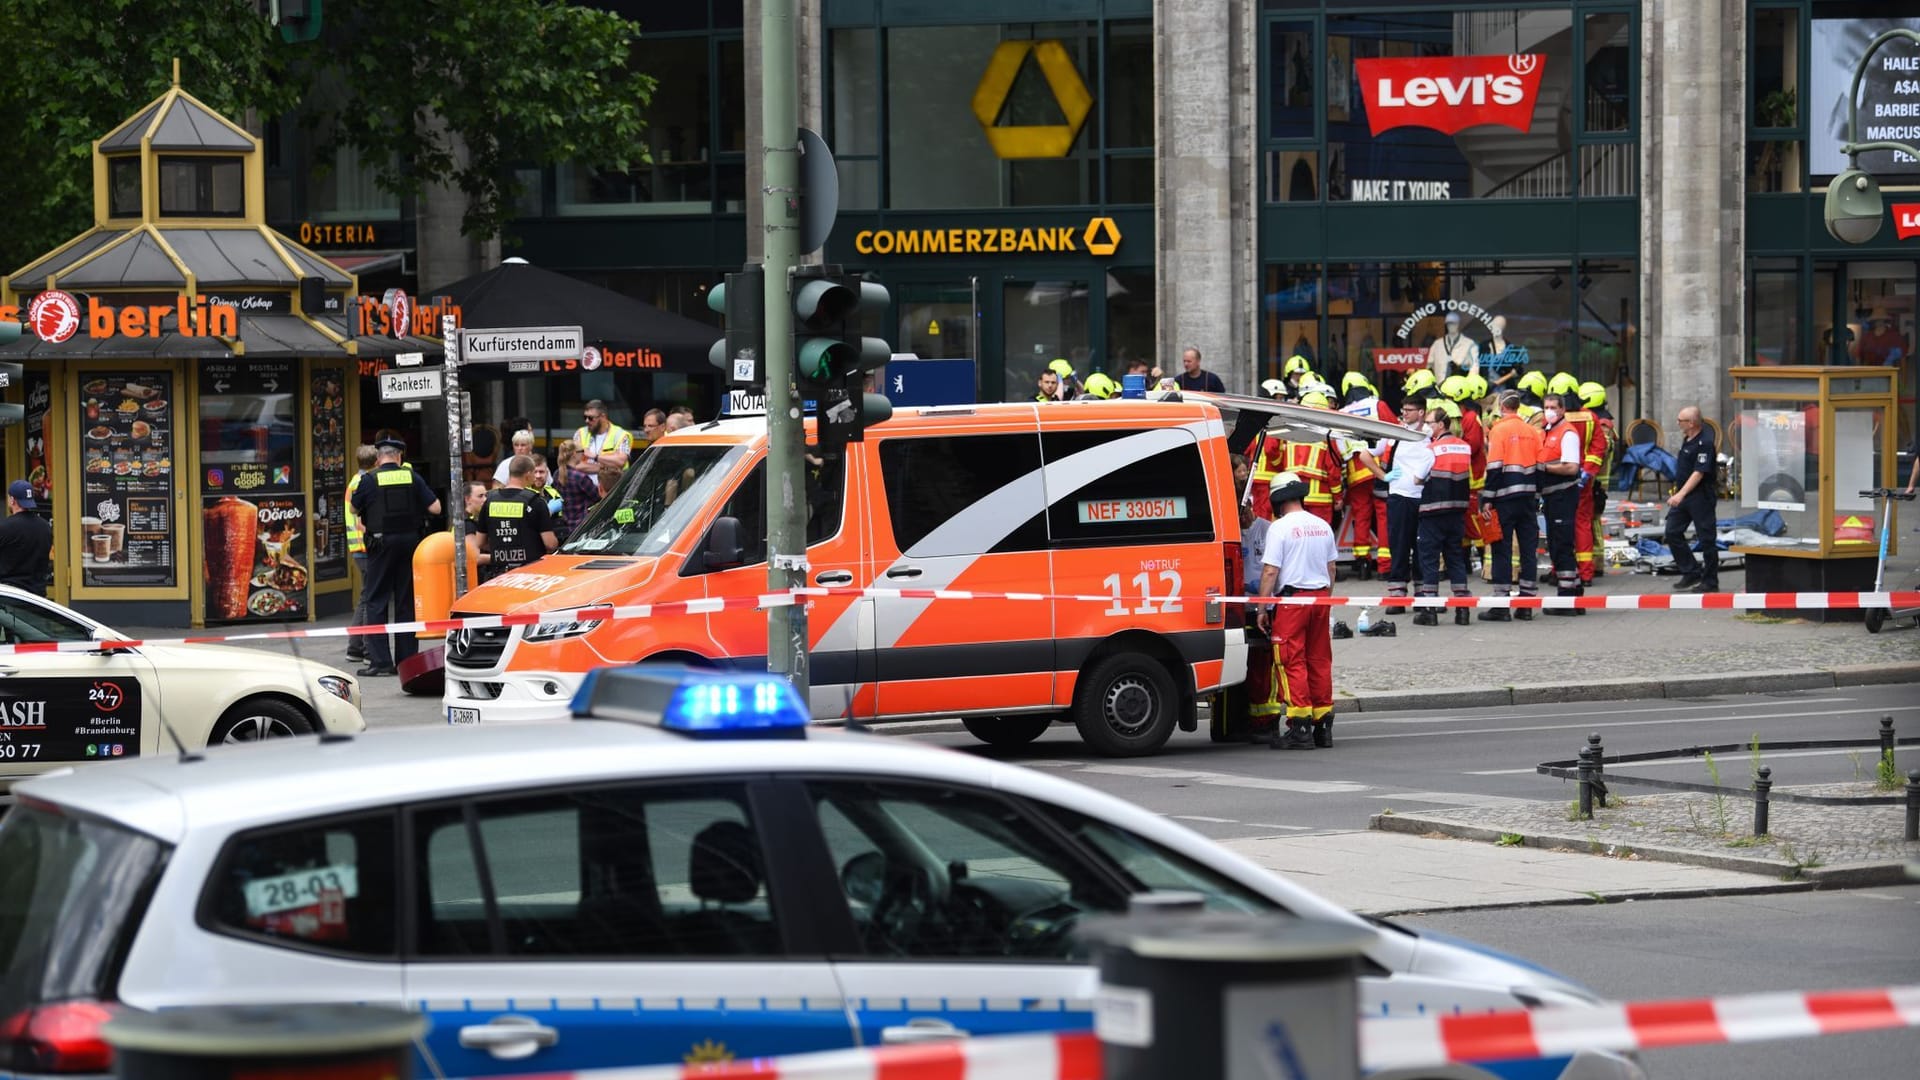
x=518, y=82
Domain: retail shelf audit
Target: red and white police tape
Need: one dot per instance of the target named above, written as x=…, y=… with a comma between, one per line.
x=1744, y=601
x=1385, y=1043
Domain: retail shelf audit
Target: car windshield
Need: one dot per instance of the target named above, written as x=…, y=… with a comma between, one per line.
x=69, y=890
x=655, y=501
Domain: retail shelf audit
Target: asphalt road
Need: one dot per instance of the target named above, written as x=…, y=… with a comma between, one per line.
x=1736, y=944
x=1465, y=757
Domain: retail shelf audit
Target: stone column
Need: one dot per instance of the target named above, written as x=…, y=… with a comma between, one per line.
x=1203, y=218
x=1693, y=204
x=445, y=254
x=810, y=36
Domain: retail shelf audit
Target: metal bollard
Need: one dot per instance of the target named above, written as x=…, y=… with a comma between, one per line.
x=1234, y=997
x=1913, y=805
x=1762, y=784
x=288, y=1042
x=1586, y=784
x=1886, y=737
x=1599, y=771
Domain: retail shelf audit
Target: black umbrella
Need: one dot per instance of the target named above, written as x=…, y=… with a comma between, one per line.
x=631, y=334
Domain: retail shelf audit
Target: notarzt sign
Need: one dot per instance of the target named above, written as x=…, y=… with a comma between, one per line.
x=1450, y=93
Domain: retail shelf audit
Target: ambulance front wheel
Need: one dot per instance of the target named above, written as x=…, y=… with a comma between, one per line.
x=1126, y=705
x=1006, y=730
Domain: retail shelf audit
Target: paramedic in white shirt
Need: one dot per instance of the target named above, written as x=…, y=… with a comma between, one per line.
x=1299, y=562
x=1412, y=461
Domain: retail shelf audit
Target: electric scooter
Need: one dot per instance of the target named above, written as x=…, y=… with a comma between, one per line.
x=1878, y=617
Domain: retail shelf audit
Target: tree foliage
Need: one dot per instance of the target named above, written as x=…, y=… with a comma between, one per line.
x=405, y=82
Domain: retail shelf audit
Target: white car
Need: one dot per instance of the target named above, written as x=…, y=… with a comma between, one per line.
x=609, y=892
x=68, y=708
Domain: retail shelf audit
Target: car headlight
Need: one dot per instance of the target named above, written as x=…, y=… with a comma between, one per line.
x=338, y=686
x=555, y=631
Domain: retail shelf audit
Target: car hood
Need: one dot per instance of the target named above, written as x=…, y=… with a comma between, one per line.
x=1445, y=956
x=561, y=581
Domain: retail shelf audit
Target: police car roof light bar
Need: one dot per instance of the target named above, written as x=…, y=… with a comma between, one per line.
x=693, y=702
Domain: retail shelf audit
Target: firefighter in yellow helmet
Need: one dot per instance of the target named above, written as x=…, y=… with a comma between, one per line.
x=1317, y=465
x=1594, y=397
x=1533, y=390
x=1100, y=386
x=1419, y=385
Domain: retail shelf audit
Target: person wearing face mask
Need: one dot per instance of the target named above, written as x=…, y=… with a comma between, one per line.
x=1443, y=513
x=1562, y=456
x=1411, y=462
x=1513, y=455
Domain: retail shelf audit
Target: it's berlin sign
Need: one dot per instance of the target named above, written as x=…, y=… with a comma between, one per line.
x=1449, y=94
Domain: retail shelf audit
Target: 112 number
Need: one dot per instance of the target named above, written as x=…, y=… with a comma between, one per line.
x=1143, y=584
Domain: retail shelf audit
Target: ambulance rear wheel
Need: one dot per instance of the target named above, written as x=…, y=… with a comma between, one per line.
x=1006, y=730
x=1126, y=706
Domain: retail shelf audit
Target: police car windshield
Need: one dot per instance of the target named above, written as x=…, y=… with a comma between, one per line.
x=657, y=497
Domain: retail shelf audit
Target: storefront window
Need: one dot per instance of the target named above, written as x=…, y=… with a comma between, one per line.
x=1774, y=152
x=201, y=187
x=1773, y=312
x=1130, y=319
x=1293, y=76
x=1608, y=104
x=1609, y=333
x=1422, y=127
x=1291, y=322
x=1045, y=321
x=856, y=124
x=1293, y=175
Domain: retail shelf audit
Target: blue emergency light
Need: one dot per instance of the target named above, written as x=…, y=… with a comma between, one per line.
x=694, y=702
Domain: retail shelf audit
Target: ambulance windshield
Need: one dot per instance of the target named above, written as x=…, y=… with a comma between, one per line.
x=657, y=497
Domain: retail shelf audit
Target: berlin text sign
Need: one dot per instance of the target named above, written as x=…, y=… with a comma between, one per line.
x=522, y=343
x=412, y=384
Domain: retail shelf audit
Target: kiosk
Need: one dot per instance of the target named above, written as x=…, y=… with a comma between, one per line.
x=1808, y=441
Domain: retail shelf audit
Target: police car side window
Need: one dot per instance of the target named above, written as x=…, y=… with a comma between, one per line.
x=965, y=493
x=944, y=873
x=1152, y=867
x=599, y=873
x=326, y=885
x=1120, y=486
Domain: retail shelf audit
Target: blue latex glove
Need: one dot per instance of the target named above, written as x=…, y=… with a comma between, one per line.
x=1395, y=473
x=553, y=505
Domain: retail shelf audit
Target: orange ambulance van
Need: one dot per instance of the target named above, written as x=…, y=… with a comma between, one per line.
x=1130, y=501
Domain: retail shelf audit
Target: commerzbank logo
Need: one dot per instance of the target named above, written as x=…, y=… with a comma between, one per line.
x=1063, y=80
x=1098, y=237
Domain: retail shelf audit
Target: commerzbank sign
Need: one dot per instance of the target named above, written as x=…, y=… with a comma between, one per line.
x=1099, y=237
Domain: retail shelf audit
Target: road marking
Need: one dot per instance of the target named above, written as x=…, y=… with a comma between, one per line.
x=1458, y=798
x=1203, y=817
x=1214, y=779
x=1346, y=722
x=1588, y=726
x=1287, y=828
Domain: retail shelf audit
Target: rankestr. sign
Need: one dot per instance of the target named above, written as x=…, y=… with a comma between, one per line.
x=1450, y=93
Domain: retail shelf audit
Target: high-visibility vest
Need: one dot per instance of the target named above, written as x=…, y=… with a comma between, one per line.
x=1550, y=454
x=1593, y=442
x=616, y=438
x=1314, y=463
x=1449, y=484
x=356, y=532
x=1513, y=459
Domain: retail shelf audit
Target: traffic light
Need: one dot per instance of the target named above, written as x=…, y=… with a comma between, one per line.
x=827, y=347
x=298, y=20
x=741, y=299
x=9, y=331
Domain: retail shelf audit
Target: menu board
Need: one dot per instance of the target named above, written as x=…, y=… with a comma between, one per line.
x=40, y=464
x=255, y=564
x=127, y=531
x=330, y=466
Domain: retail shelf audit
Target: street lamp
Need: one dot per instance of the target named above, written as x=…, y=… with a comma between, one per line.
x=1854, y=208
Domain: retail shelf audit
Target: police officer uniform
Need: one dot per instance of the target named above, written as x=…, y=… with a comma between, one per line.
x=513, y=520
x=1698, y=509
x=392, y=502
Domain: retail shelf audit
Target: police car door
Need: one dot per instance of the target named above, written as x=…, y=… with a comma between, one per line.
x=622, y=924
x=66, y=708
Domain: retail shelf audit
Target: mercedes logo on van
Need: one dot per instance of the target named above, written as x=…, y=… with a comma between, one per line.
x=457, y=643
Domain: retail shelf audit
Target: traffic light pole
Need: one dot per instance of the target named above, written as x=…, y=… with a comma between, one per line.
x=786, y=431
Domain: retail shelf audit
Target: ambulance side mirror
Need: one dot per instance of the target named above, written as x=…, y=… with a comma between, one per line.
x=724, y=550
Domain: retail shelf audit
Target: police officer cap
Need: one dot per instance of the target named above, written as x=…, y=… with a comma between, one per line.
x=1286, y=488
x=390, y=442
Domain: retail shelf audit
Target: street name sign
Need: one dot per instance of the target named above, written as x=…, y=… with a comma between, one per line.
x=412, y=384
x=523, y=344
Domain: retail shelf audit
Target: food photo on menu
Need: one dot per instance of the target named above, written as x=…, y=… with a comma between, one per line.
x=126, y=465
x=254, y=568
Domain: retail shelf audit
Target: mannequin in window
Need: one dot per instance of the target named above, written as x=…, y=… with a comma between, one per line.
x=1300, y=183
x=1300, y=68
x=1498, y=357
x=1454, y=353
x=1882, y=345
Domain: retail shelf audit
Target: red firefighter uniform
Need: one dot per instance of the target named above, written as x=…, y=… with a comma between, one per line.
x=1268, y=458
x=1475, y=436
x=1382, y=552
x=1316, y=463
x=1593, y=443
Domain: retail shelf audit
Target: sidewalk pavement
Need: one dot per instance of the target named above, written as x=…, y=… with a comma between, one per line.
x=1612, y=655
x=1380, y=873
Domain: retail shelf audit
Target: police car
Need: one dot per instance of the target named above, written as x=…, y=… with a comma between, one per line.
x=688, y=875
x=59, y=709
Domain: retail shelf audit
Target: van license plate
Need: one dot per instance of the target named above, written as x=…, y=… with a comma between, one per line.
x=456, y=715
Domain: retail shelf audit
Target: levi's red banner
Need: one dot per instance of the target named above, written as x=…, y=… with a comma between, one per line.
x=1906, y=220
x=1451, y=93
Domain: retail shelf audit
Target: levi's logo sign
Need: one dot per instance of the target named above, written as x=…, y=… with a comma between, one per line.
x=1906, y=220
x=1451, y=93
